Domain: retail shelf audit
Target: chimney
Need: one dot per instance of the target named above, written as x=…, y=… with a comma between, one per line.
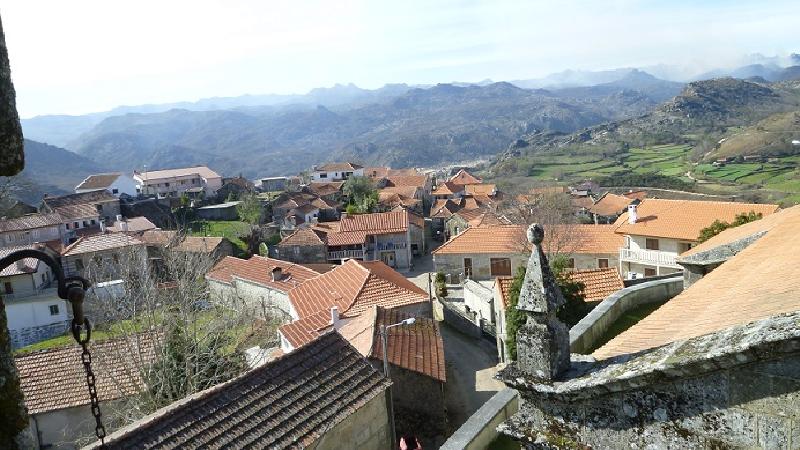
x=119, y=217
x=335, y=318
x=277, y=274
x=632, y=215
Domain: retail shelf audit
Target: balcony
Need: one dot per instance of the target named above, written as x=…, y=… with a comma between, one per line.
x=346, y=254
x=649, y=257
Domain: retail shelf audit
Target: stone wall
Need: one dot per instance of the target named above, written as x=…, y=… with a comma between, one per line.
x=585, y=334
x=22, y=337
x=453, y=264
x=481, y=428
x=453, y=317
x=367, y=428
x=736, y=388
x=303, y=254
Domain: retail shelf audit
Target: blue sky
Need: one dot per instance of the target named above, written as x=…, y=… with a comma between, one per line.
x=78, y=57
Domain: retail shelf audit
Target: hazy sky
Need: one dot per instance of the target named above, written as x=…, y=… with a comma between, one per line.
x=82, y=56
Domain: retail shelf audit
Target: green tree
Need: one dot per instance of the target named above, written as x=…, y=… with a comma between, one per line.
x=514, y=317
x=361, y=194
x=249, y=209
x=718, y=226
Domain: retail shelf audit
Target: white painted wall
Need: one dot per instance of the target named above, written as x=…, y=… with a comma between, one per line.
x=479, y=299
x=32, y=236
x=323, y=175
x=35, y=311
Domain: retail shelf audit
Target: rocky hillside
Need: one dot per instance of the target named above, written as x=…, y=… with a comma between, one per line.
x=442, y=124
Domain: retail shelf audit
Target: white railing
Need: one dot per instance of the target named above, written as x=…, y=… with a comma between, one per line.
x=344, y=254
x=651, y=257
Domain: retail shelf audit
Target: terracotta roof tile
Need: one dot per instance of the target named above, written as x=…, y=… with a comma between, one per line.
x=258, y=269
x=683, y=219
x=325, y=188
x=191, y=244
x=464, y=177
x=54, y=379
x=407, y=181
x=290, y=402
x=98, y=181
x=303, y=237
x=418, y=347
x=610, y=205
x=302, y=331
x=134, y=225
x=734, y=234
x=503, y=288
x=81, y=211
x=353, y=229
x=30, y=221
x=577, y=238
x=598, y=283
x=338, y=167
x=353, y=287
x=101, y=242
x=448, y=188
x=444, y=208
x=480, y=189
x=758, y=282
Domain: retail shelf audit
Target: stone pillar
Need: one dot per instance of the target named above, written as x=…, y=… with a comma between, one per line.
x=543, y=341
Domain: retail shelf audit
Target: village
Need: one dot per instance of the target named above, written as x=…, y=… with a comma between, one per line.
x=383, y=294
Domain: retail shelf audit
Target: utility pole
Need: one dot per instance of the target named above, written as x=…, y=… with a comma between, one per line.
x=14, y=424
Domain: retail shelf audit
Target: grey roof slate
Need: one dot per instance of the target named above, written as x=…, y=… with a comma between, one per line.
x=287, y=403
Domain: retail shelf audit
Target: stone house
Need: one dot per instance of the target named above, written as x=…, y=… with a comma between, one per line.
x=159, y=241
x=289, y=203
x=305, y=214
x=270, y=405
x=448, y=190
x=53, y=383
x=235, y=187
x=465, y=218
x=272, y=184
x=117, y=183
x=259, y=285
x=416, y=358
x=714, y=367
x=486, y=252
x=33, y=308
x=83, y=210
x=194, y=181
x=657, y=231
x=327, y=190
x=100, y=257
x=305, y=245
x=389, y=237
x=336, y=297
x=336, y=171
x=32, y=229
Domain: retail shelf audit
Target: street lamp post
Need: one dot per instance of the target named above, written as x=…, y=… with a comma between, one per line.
x=384, y=333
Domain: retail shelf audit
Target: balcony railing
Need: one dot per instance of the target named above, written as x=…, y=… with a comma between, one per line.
x=649, y=257
x=345, y=254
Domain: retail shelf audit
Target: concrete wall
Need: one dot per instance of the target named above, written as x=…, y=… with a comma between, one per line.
x=480, y=300
x=367, y=428
x=585, y=334
x=453, y=264
x=402, y=255
x=481, y=428
x=61, y=428
x=747, y=406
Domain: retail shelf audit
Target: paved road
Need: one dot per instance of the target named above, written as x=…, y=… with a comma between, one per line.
x=471, y=365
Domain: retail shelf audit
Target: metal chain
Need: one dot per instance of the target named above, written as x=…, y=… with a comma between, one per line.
x=91, y=381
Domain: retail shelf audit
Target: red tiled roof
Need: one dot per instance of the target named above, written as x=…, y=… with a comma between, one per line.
x=53, y=379
x=418, y=347
x=503, y=288
x=134, y=224
x=610, y=205
x=301, y=332
x=101, y=242
x=598, y=283
x=480, y=189
x=353, y=229
x=353, y=287
x=444, y=208
x=407, y=181
x=448, y=188
x=464, y=177
x=258, y=269
x=683, y=219
x=326, y=187
x=574, y=238
x=303, y=236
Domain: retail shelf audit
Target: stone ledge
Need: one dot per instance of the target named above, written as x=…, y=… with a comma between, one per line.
x=761, y=340
x=721, y=253
x=480, y=420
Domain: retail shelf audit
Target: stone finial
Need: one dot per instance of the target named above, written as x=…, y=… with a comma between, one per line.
x=543, y=341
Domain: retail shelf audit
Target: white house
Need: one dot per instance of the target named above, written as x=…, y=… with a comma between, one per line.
x=336, y=171
x=260, y=285
x=656, y=231
x=174, y=182
x=34, y=310
x=116, y=182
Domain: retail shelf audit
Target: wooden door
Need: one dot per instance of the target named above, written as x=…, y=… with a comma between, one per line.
x=500, y=267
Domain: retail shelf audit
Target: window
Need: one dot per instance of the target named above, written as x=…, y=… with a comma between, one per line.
x=76, y=225
x=649, y=272
x=468, y=267
x=323, y=175
x=166, y=184
x=602, y=263
x=79, y=265
x=297, y=250
x=99, y=208
x=115, y=191
x=651, y=244
x=500, y=266
x=9, y=288
x=67, y=226
x=53, y=310
x=93, y=222
x=85, y=223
